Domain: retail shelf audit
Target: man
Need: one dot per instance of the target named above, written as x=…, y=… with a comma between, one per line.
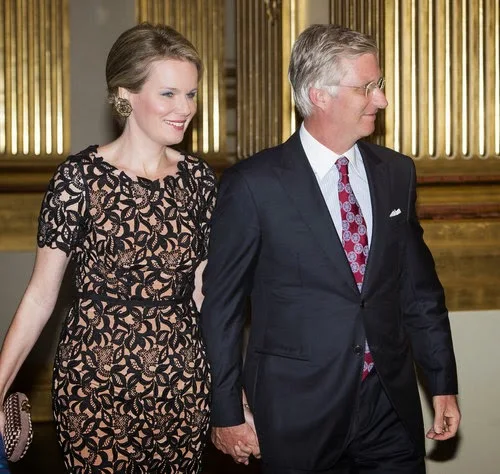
x=322, y=233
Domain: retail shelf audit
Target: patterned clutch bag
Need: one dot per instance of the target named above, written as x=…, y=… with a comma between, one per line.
x=18, y=431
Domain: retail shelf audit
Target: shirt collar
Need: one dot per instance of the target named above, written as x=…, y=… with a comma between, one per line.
x=322, y=158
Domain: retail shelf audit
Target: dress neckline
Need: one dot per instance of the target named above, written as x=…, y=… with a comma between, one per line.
x=136, y=178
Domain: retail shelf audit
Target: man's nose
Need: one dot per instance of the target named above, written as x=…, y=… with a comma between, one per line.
x=379, y=98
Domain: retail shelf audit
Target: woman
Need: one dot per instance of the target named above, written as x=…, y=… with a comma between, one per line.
x=131, y=384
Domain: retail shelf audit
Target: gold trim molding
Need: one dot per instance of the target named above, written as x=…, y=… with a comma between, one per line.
x=26, y=175
x=469, y=201
x=467, y=258
x=19, y=220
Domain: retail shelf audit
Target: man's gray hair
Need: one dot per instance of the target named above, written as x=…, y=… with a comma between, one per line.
x=316, y=59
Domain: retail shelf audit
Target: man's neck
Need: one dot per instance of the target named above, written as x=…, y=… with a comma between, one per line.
x=335, y=142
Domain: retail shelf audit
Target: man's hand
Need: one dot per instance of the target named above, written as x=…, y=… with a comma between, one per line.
x=238, y=441
x=446, y=417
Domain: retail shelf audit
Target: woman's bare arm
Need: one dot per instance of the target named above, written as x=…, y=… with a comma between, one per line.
x=32, y=314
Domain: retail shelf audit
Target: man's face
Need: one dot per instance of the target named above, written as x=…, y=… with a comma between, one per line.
x=351, y=113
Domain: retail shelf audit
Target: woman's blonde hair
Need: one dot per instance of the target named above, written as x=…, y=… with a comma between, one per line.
x=131, y=55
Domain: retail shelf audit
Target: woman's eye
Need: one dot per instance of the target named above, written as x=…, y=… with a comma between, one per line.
x=191, y=95
x=167, y=94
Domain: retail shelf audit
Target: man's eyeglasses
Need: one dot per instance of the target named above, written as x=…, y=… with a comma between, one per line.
x=369, y=88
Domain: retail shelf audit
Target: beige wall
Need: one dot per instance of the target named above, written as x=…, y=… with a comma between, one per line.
x=475, y=337
x=311, y=12
x=94, y=26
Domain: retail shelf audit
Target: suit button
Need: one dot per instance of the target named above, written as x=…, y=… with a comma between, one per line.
x=358, y=350
x=362, y=304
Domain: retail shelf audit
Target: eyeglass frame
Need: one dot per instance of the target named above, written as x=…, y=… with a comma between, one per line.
x=367, y=88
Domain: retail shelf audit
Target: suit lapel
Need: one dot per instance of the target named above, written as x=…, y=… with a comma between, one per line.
x=300, y=183
x=378, y=182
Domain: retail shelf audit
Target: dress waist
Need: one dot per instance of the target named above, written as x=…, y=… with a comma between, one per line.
x=167, y=301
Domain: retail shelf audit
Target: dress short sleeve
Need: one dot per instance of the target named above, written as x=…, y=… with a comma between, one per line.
x=208, y=195
x=63, y=207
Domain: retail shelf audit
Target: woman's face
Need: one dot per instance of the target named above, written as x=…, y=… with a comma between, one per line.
x=165, y=105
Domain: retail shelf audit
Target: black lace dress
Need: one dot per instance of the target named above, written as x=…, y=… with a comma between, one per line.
x=131, y=382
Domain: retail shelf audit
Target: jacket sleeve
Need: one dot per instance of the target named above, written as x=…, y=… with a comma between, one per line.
x=227, y=281
x=424, y=309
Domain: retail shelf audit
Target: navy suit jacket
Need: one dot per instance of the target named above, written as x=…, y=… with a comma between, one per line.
x=273, y=238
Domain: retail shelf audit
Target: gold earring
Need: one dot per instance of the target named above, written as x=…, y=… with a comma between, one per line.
x=123, y=107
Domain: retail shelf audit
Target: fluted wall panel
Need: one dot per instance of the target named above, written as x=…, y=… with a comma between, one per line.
x=34, y=79
x=443, y=78
x=366, y=16
x=202, y=22
x=265, y=30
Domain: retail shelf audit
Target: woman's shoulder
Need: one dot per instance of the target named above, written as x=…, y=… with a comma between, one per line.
x=71, y=169
x=84, y=156
x=197, y=165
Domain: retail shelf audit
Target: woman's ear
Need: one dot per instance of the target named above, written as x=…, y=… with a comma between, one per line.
x=123, y=93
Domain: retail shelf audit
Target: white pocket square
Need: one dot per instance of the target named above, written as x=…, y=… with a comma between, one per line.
x=395, y=212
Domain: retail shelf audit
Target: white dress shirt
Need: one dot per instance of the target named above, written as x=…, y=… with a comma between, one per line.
x=322, y=162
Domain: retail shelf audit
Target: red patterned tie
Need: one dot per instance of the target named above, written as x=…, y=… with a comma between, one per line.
x=354, y=238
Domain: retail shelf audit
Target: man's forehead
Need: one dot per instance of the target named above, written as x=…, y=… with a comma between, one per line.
x=363, y=66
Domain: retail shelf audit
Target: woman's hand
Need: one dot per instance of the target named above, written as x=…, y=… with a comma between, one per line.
x=249, y=420
x=2, y=423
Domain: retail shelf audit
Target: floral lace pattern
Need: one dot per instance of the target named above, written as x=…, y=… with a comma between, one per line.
x=131, y=383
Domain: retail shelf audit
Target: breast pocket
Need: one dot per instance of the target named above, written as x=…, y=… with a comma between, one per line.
x=397, y=220
x=395, y=229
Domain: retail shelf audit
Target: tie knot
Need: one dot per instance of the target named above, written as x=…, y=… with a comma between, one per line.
x=342, y=165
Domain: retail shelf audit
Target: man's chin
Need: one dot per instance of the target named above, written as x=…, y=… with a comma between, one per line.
x=368, y=129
